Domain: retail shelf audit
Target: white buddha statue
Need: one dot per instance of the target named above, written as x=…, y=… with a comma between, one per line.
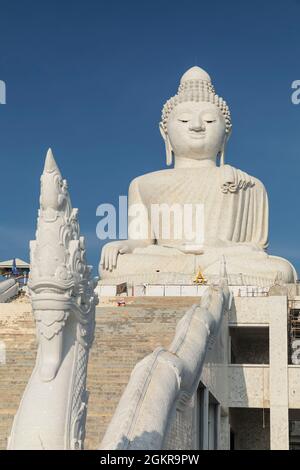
x=195, y=126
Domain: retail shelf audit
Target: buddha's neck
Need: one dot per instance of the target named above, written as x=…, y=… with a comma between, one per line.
x=181, y=162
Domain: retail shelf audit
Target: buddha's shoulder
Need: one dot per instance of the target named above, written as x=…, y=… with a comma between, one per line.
x=233, y=179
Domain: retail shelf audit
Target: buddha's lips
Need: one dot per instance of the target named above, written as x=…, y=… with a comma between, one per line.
x=197, y=136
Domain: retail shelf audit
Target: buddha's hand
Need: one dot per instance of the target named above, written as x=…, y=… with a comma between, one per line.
x=110, y=253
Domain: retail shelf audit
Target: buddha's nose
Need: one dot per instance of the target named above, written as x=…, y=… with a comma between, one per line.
x=196, y=124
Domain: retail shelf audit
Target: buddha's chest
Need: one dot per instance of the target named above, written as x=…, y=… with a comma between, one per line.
x=181, y=188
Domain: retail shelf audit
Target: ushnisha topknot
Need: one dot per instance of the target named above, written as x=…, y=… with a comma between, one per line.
x=195, y=85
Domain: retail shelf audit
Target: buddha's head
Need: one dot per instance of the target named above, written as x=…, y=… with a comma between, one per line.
x=196, y=122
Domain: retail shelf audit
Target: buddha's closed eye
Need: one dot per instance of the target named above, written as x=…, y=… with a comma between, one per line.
x=209, y=118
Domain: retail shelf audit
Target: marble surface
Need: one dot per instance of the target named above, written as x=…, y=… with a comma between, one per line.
x=52, y=410
x=228, y=208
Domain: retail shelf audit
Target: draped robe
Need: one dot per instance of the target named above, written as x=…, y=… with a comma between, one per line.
x=235, y=204
x=235, y=225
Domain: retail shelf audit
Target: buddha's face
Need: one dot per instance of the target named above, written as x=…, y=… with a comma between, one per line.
x=196, y=130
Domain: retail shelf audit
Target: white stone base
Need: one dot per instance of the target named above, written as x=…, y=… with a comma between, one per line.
x=175, y=290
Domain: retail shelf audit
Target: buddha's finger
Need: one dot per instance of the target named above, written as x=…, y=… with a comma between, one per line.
x=116, y=251
x=102, y=260
x=114, y=258
x=102, y=257
x=111, y=258
x=106, y=259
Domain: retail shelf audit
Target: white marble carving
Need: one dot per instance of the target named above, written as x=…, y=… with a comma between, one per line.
x=166, y=379
x=53, y=407
x=195, y=127
x=8, y=289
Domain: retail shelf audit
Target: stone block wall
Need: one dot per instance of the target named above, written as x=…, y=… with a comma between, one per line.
x=123, y=336
x=17, y=333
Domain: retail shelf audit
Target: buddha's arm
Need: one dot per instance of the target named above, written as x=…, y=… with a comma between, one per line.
x=139, y=230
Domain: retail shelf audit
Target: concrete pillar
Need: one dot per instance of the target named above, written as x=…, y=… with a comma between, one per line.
x=218, y=426
x=224, y=432
x=204, y=419
x=196, y=420
x=279, y=405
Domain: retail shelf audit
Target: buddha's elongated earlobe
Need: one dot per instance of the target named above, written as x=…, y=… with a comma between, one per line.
x=169, y=150
x=222, y=151
x=222, y=156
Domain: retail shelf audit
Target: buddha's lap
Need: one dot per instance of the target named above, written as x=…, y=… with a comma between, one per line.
x=267, y=266
x=256, y=263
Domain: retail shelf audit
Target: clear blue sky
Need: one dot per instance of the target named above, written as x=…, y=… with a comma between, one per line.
x=89, y=78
